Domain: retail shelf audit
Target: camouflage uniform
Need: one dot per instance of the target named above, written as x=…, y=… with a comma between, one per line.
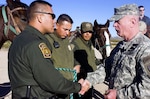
x=130, y=73
x=128, y=67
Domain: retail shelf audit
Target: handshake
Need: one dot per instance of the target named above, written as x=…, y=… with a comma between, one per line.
x=86, y=85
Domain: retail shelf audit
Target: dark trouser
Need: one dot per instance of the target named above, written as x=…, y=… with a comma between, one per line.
x=17, y=97
x=88, y=94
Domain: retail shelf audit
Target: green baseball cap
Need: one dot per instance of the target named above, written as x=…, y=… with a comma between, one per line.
x=86, y=27
x=128, y=9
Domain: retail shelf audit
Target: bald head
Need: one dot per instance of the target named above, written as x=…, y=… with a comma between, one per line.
x=142, y=27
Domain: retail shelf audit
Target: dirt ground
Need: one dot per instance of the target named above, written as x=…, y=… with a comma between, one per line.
x=3, y=65
x=4, y=70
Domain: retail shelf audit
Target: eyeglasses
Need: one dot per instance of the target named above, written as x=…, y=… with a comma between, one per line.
x=52, y=14
x=142, y=10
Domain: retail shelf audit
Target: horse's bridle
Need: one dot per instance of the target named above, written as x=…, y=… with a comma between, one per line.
x=97, y=43
x=102, y=47
x=16, y=30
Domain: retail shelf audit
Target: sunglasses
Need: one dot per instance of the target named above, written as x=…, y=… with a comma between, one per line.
x=141, y=10
x=52, y=14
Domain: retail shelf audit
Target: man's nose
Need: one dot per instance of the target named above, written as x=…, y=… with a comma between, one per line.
x=67, y=32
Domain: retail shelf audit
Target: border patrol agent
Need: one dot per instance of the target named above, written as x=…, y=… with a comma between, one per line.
x=84, y=50
x=62, y=50
x=84, y=53
x=62, y=55
x=31, y=70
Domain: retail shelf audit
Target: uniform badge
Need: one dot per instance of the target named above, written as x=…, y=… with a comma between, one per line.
x=71, y=47
x=45, y=50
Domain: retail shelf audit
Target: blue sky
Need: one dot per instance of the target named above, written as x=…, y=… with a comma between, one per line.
x=89, y=10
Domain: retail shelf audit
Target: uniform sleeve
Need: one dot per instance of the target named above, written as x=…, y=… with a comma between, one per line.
x=140, y=86
x=143, y=75
x=46, y=75
x=97, y=76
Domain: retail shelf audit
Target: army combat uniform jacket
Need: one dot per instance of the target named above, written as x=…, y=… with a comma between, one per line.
x=30, y=63
x=128, y=69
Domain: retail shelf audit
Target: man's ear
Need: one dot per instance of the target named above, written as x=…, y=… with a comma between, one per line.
x=39, y=18
x=133, y=21
x=57, y=25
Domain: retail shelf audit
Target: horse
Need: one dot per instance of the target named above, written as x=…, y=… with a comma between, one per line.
x=101, y=38
x=13, y=19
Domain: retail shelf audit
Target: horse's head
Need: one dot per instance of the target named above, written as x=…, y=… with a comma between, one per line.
x=19, y=12
x=13, y=19
x=100, y=31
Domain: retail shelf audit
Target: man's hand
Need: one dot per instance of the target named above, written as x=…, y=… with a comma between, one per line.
x=77, y=68
x=110, y=94
x=85, y=86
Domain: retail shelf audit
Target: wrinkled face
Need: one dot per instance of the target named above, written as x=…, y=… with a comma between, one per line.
x=87, y=36
x=63, y=29
x=122, y=27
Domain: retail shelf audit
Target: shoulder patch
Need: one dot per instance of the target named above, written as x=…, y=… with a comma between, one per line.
x=45, y=50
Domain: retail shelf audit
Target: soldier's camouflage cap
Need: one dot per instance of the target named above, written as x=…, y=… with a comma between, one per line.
x=128, y=9
x=86, y=27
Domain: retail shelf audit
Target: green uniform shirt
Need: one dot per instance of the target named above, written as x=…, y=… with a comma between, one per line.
x=84, y=54
x=63, y=55
x=29, y=63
